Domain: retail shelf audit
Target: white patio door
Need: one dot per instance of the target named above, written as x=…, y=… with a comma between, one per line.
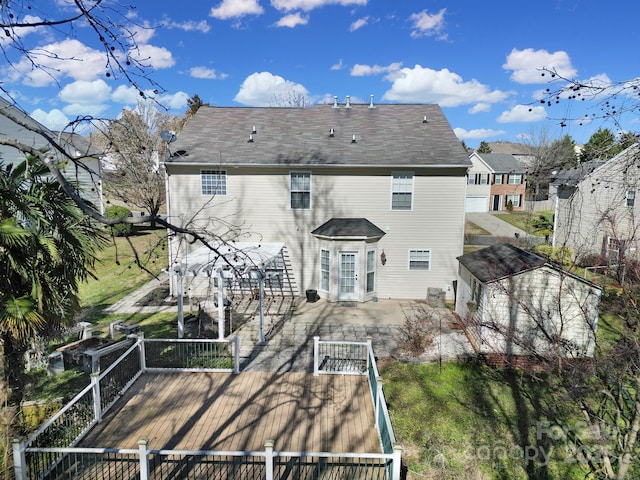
x=348, y=285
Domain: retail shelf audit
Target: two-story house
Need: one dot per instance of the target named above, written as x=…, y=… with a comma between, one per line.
x=81, y=166
x=368, y=200
x=496, y=181
x=596, y=207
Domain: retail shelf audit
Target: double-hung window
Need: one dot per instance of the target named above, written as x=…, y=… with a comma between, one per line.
x=514, y=179
x=325, y=270
x=514, y=199
x=300, y=190
x=419, y=259
x=631, y=198
x=371, y=271
x=497, y=179
x=402, y=191
x=213, y=182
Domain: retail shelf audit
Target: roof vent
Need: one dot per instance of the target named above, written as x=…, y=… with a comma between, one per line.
x=250, y=139
x=332, y=132
x=335, y=102
x=253, y=130
x=353, y=138
x=424, y=120
x=371, y=105
x=348, y=104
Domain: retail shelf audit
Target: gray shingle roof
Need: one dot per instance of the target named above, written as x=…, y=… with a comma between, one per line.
x=390, y=135
x=574, y=175
x=499, y=261
x=348, y=227
x=502, y=162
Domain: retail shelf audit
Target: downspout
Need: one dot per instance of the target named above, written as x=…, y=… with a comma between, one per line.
x=169, y=236
x=555, y=218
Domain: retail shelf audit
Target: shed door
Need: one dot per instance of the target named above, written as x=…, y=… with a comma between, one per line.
x=348, y=288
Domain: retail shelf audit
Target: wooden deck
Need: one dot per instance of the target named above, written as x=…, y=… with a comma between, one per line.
x=220, y=411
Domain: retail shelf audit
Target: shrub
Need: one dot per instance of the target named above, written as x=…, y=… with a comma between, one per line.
x=560, y=255
x=510, y=205
x=418, y=331
x=119, y=229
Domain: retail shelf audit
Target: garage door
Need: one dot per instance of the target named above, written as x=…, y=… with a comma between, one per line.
x=476, y=204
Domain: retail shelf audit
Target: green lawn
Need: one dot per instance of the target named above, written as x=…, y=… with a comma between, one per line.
x=471, y=421
x=522, y=220
x=116, y=271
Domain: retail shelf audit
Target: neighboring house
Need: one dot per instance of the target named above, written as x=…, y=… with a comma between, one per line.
x=516, y=303
x=495, y=181
x=368, y=200
x=84, y=171
x=596, y=207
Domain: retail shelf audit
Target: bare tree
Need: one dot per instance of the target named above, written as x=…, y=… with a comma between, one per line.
x=133, y=145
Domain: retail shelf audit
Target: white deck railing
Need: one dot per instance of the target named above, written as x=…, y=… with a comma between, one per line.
x=41, y=456
x=39, y=453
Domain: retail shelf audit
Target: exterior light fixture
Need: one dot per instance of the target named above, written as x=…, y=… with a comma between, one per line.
x=383, y=258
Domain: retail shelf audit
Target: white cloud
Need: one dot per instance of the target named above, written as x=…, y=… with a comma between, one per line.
x=443, y=87
x=261, y=89
x=174, y=100
x=236, y=9
x=86, y=93
x=83, y=109
x=523, y=113
x=188, y=26
x=358, y=24
x=155, y=57
x=142, y=32
x=206, y=73
x=463, y=134
x=425, y=25
x=307, y=5
x=54, y=119
x=292, y=20
x=126, y=95
x=68, y=58
x=479, y=108
x=359, y=70
x=338, y=66
x=22, y=32
x=526, y=64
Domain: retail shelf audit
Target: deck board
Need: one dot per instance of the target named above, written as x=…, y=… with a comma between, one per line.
x=220, y=411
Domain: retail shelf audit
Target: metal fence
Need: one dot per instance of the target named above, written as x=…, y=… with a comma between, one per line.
x=146, y=464
x=50, y=453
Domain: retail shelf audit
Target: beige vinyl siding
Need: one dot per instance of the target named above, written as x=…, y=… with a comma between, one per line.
x=598, y=208
x=540, y=300
x=259, y=197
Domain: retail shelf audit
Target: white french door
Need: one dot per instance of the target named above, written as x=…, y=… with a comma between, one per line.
x=348, y=285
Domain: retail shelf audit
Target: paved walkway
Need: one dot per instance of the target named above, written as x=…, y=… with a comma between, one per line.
x=493, y=224
x=289, y=337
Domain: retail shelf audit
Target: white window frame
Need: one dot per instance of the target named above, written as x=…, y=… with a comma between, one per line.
x=631, y=198
x=325, y=273
x=370, y=267
x=471, y=178
x=512, y=177
x=402, y=187
x=292, y=191
x=515, y=200
x=213, y=182
x=412, y=258
x=497, y=178
x=484, y=179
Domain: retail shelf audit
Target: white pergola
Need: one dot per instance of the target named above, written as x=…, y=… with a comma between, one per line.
x=237, y=260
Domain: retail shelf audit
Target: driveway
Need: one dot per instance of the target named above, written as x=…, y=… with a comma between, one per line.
x=493, y=224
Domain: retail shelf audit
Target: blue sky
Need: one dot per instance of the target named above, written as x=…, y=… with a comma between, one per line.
x=479, y=60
